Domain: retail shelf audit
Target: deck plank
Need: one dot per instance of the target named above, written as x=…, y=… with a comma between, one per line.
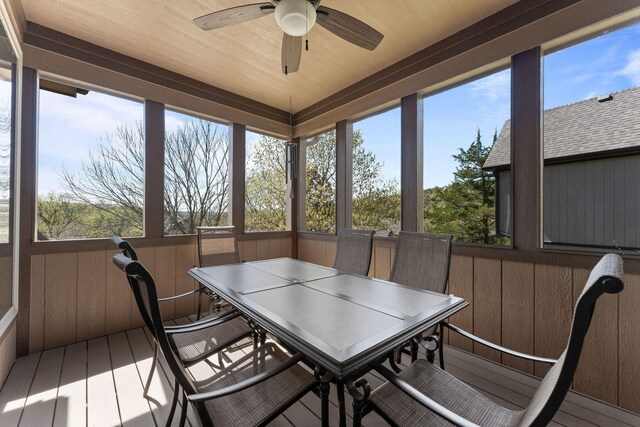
x=160, y=390
x=108, y=373
x=191, y=416
x=71, y=408
x=102, y=405
x=41, y=403
x=15, y=390
x=134, y=409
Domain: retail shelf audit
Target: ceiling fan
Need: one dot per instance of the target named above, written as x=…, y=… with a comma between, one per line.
x=296, y=18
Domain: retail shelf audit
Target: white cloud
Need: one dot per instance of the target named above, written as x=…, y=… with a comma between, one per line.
x=632, y=69
x=492, y=87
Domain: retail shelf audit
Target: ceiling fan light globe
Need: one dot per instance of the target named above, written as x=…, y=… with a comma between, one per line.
x=295, y=17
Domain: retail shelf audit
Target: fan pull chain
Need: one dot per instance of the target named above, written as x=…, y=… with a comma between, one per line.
x=286, y=70
x=306, y=27
x=306, y=44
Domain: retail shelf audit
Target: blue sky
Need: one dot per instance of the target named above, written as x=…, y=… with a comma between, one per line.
x=606, y=64
x=70, y=127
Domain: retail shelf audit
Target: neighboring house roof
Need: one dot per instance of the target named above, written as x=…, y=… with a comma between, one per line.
x=581, y=128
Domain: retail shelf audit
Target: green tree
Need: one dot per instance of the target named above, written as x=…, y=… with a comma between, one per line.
x=321, y=183
x=466, y=207
x=376, y=201
x=265, y=195
x=58, y=215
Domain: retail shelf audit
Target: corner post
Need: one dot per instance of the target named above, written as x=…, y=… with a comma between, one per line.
x=411, y=137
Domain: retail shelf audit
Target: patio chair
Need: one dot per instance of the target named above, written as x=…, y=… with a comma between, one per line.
x=422, y=261
x=195, y=341
x=251, y=391
x=128, y=251
x=424, y=394
x=354, y=251
x=217, y=246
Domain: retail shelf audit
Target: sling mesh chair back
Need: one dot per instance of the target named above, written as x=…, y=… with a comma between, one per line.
x=451, y=401
x=354, y=251
x=217, y=246
x=422, y=261
x=193, y=342
x=251, y=391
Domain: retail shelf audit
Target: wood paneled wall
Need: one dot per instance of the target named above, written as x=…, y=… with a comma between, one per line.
x=7, y=351
x=528, y=306
x=78, y=296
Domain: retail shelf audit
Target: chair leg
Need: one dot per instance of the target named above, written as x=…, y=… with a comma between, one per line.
x=397, y=354
x=199, y=295
x=431, y=352
x=441, y=349
x=152, y=370
x=183, y=414
x=414, y=351
x=174, y=402
x=341, y=404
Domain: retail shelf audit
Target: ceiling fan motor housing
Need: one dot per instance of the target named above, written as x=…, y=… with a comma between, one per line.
x=295, y=17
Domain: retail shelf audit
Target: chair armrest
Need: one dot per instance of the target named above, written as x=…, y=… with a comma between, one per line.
x=200, y=289
x=249, y=382
x=430, y=404
x=498, y=347
x=201, y=324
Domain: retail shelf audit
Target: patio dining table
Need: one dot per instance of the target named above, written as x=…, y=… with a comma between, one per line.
x=341, y=322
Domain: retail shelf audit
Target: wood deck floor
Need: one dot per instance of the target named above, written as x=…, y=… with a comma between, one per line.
x=99, y=383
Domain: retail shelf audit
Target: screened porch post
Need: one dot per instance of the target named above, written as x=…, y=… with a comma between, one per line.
x=237, y=152
x=293, y=199
x=411, y=141
x=27, y=200
x=526, y=152
x=153, y=169
x=344, y=175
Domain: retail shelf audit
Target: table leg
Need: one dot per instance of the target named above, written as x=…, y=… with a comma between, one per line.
x=341, y=404
x=359, y=398
x=323, y=378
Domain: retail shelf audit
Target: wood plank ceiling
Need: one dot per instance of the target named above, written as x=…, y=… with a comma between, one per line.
x=245, y=58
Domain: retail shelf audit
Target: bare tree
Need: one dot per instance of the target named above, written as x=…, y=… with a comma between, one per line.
x=112, y=180
x=196, y=176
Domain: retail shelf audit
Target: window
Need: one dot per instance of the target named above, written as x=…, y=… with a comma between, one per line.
x=266, y=187
x=90, y=164
x=6, y=149
x=196, y=175
x=321, y=183
x=7, y=169
x=461, y=175
x=591, y=192
x=376, y=173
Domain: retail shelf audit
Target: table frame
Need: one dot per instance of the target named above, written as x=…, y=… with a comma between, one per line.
x=322, y=355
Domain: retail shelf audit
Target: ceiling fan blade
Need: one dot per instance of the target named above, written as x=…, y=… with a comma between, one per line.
x=349, y=28
x=233, y=15
x=291, y=52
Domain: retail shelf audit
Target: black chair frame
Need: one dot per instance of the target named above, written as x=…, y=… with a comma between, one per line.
x=143, y=283
x=610, y=282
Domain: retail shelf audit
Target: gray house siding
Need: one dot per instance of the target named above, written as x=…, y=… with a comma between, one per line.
x=591, y=187
x=593, y=203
